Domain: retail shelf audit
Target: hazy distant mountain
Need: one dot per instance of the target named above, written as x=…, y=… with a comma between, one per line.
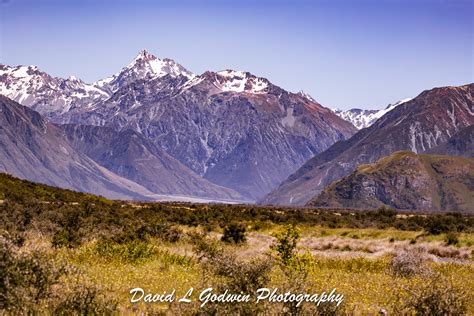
x=230, y=127
x=407, y=181
x=33, y=149
x=425, y=122
x=364, y=118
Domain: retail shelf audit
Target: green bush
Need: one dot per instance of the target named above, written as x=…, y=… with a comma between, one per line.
x=234, y=233
x=29, y=284
x=65, y=238
x=451, y=239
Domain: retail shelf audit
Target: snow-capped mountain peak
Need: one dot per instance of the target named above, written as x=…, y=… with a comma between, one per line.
x=18, y=82
x=144, y=65
x=32, y=87
x=145, y=54
x=364, y=118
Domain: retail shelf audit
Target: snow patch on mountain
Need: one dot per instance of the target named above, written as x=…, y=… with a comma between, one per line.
x=306, y=95
x=240, y=81
x=28, y=85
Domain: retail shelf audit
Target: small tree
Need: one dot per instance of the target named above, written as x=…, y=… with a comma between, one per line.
x=285, y=245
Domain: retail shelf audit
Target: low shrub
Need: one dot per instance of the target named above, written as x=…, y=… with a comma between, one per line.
x=85, y=300
x=34, y=283
x=65, y=238
x=229, y=273
x=165, y=232
x=407, y=264
x=445, y=252
x=434, y=296
x=451, y=239
x=234, y=233
x=135, y=251
x=25, y=279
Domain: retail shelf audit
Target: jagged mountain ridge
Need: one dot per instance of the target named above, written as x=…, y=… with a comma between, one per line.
x=231, y=127
x=406, y=181
x=425, y=122
x=50, y=96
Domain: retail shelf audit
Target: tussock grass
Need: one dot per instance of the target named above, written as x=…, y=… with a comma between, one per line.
x=116, y=246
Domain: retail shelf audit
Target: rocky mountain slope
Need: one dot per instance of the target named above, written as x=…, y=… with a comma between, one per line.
x=233, y=128
x=130, y=155
x=33, y=149
x=461, y=144
x=406, y=181
x=364, y=118
x=230, y=127
x=425, y=122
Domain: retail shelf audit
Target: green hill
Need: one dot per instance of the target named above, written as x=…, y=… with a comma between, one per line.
x=405, y=180
x=22, y=191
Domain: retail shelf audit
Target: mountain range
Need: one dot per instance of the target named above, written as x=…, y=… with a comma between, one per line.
x=157, y=131
x=418, y=125
x=237, y=135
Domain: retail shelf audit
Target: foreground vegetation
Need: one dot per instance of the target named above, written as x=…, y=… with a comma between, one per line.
x=64, y=252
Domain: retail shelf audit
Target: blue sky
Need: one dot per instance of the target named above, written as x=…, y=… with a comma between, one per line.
x=344, y=53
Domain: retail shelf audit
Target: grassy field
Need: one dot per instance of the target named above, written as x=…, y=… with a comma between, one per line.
x=68, y=253
x=357, y=264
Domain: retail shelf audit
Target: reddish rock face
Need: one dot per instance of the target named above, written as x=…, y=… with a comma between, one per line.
x=417, y=125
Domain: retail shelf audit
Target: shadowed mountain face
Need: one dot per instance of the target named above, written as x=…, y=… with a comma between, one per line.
x=130, y=155
x=230, y=127
x=425, y=122
x=407, y=181
x=31, y=148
